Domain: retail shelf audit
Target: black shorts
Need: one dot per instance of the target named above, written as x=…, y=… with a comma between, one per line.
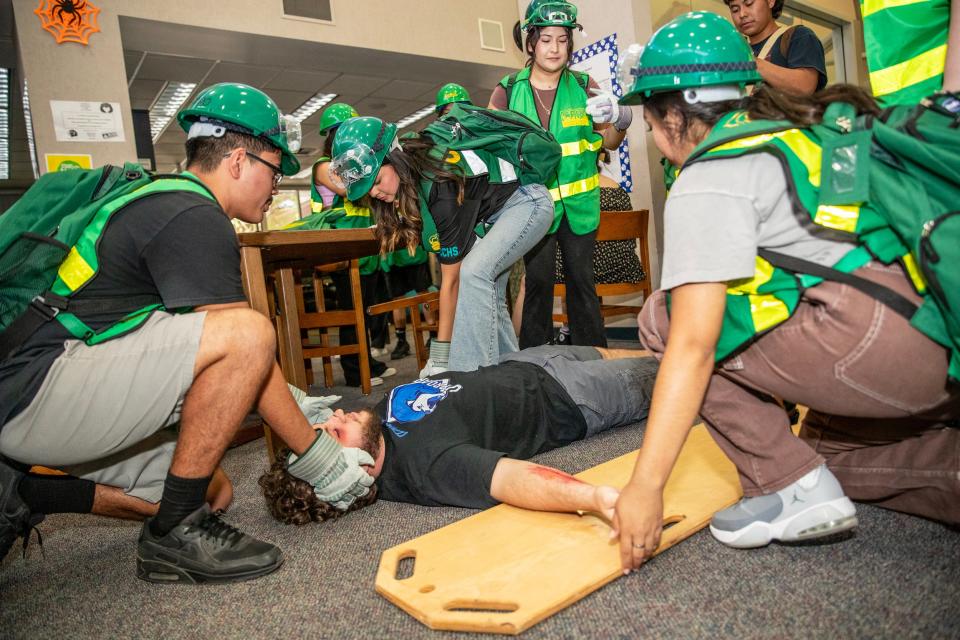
x=402, y=280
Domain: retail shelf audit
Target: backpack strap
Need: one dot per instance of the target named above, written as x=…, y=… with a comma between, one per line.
x=882, y=294
x=583, y=79
x=507, y=85
x=772, y=40
x=785, y=41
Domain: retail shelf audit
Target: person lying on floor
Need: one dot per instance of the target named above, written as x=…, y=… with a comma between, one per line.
x=462, y=438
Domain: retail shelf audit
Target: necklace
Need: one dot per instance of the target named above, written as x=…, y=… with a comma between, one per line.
x=536, y=92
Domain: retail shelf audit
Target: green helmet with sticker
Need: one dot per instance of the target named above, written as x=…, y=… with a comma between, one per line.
x=550, y=13
x=335, y=115
x=359, y=147
x=230, y=106
x=697, y=49
x=451, y=93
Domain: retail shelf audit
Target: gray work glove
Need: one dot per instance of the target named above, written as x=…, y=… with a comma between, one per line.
x=333, y=470
x=603, y=108
x=315, y=408
x=439, y=357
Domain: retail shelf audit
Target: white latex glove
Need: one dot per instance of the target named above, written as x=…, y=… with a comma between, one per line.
x=604, y=108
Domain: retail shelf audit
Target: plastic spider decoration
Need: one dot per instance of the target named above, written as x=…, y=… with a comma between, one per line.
x=70, y=8
x=68, y=20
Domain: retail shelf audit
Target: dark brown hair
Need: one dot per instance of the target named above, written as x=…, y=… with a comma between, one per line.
x=293, y=501
x=533, y=37
x=399, y=222
x=766, y=103
x=777, y=7
x=206, y=153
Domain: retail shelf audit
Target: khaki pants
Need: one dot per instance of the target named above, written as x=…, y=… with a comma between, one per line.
x=881, y=414
x=106, y=413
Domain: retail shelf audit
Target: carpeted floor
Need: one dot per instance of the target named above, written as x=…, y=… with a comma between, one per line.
x=897, y=577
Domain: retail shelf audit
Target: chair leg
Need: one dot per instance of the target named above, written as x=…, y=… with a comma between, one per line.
x=418, y=337
x=358, y=307
x=324, y=333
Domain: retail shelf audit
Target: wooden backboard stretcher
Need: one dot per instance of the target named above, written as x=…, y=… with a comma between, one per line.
x=506, y=569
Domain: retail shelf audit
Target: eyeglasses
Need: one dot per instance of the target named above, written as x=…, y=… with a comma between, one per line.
x=277, y=171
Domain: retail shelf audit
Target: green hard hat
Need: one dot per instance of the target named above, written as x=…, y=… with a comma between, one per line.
x=451, y=93
x=230, y=106
x=550, y=13
x=697, y=49
x=359, y=147
x=334, y=115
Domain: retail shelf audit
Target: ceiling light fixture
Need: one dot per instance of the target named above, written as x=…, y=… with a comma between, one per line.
x=420, y=114
x=167, y=104
x=312, y=105
x=4, y=124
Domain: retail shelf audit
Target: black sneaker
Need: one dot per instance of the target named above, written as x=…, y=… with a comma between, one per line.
x=204, y=548
x=402, y=350
x=15, y=518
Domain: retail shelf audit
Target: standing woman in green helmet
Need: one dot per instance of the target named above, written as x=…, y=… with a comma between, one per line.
x=548, y=92
x=424, y=192
x=451, y=93
x=738, y=336
x=324, y=194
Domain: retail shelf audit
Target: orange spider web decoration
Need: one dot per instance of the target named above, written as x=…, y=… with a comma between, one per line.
x=68, y=20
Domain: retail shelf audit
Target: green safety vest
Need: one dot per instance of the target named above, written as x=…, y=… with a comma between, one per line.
x=576, y=189
x=348, y=216
x=771, y=296
x=316, y=200
x=906, y=46
x=82, y=262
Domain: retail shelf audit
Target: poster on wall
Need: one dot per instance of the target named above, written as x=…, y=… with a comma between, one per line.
x=87, y=121
x=67, y=162
x=599, y=60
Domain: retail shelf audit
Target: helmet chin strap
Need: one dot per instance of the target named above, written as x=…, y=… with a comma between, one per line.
x=720, y=93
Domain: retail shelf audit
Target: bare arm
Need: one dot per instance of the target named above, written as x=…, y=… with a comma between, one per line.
x=802, y=80
x=449, y=292
x=275, y=404
x=696, y=317
x=611, y=137
x=532, y=486
x=951, y=69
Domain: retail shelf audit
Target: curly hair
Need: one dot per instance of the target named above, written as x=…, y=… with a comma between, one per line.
x=292, y=501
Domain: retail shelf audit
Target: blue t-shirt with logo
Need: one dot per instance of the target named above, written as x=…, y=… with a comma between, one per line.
x=445, y=434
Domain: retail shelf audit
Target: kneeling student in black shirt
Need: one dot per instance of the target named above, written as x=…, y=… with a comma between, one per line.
x=462, y=438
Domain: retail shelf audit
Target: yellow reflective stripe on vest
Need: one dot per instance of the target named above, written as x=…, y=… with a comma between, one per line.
x=916, y=69
x=316, y=206
x=840, y=217
x=916, y=276
x=766, y=310
x=75, y=271
x=805, y=149
x=573, y=188
x=580, y=146
x=868, y=7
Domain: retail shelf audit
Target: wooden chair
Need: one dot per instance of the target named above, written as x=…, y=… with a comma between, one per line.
x=619, y=225
x=428, y=299
x=324, y=320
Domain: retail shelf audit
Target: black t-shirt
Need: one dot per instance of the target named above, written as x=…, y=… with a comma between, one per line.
x=177, y=246
x=805, y=52
x=444, y=435
x=455, y=222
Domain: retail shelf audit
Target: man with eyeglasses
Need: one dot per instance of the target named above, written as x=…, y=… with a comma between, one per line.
x=145, y=416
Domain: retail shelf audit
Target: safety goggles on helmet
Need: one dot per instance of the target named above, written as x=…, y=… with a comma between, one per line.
x=627, y=65
x=289, y=128
x=353, y=165
x=561, y=14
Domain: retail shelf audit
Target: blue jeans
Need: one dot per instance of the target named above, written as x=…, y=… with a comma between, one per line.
x=609, y=393
x=482, y=330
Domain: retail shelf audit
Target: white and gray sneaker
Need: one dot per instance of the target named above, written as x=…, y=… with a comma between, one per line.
x=812, y=507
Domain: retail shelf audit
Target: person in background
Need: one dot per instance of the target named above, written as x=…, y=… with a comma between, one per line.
x=790, y=59
x=451, y=93
x=548, y=92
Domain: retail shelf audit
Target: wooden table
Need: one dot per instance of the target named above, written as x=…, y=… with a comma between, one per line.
x=267, y=255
